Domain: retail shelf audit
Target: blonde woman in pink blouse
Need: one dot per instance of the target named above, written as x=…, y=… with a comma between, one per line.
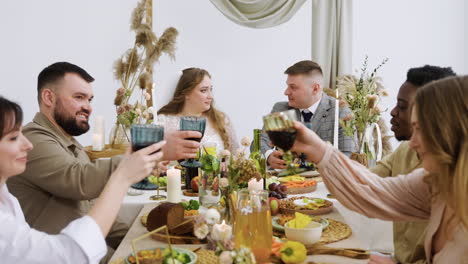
x=438, y=192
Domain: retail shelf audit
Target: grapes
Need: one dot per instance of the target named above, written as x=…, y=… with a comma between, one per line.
x=277, y=190
x=272, y=186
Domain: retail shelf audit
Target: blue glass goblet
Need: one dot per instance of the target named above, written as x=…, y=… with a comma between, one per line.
x=142, y=136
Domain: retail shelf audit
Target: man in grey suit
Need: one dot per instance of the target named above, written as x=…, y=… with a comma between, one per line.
x=306, y=96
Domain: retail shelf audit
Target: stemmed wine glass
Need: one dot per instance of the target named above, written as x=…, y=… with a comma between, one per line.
x=144, y=135
x=192, y=123
x=280, y=128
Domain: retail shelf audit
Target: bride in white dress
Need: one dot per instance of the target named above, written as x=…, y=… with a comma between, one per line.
x=193, y=97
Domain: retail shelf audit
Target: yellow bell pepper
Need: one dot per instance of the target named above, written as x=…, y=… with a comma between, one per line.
x=293, y=252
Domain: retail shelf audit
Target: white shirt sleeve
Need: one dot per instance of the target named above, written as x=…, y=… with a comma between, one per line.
x=80, y=242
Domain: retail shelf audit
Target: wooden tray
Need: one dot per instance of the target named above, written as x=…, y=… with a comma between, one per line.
x=301, y=190
x=323, y=210
x=108, y=152
x=190, y=193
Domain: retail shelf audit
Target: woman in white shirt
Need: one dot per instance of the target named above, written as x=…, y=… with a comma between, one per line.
x=82, y=241
x=193, y=97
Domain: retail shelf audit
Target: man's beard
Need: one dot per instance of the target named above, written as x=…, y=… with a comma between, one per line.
x=69, y=123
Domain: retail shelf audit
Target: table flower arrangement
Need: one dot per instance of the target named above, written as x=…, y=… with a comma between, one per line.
x=133, y=70
x=362, y=96
x=220, y=239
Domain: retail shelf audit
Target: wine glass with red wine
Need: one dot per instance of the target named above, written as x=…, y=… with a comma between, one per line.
x=192, y=123
x=280, y=128
x=144, y=135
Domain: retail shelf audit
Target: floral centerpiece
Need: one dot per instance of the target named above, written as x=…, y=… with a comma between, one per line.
x=133, y=70
x=240, y=170
x=362, y=96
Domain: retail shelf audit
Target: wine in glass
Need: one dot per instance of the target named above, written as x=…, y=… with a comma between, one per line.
x=192, y=123
x=280, y=128
x=142, y=136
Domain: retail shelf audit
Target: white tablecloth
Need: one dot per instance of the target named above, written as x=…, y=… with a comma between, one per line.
x=373, y=234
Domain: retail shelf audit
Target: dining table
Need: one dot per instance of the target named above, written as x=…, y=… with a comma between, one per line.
x=367, y=234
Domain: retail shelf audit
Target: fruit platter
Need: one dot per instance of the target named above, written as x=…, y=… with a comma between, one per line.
x=298, y=185
x=305, y=205
x=162, y=255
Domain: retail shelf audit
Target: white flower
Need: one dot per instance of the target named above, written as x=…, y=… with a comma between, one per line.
x=245, y=141
x=149, y=110
x=225, y=153
x=201, y=230
x=225, y=258
x=223, y=182
x=212, y=216
x=138, y=111
x=240, y=152
x=221, y=232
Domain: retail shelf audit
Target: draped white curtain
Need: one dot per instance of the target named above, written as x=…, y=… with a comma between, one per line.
x=332, y=37
x=331, y=27
x=258, y=13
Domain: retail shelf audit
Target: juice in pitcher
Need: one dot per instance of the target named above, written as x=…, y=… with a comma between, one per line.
x=252, y=224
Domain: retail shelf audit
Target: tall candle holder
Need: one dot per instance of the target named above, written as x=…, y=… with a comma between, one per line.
x=157, y=196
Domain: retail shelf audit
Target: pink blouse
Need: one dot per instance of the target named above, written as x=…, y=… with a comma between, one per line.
x=402, y=198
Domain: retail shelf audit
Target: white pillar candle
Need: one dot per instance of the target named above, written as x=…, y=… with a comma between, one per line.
x=153, y=98
x=337, y=118
x=174, y=190
x=99, y=128
x=98, y=143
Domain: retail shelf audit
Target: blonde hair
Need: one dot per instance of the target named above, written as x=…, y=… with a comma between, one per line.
x=190, y=78
x=441, y=108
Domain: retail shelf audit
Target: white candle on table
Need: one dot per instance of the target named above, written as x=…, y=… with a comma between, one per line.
x=99, y=128
x=98, y=144
x=337, y=118
x=153, y=98
x=174, y=191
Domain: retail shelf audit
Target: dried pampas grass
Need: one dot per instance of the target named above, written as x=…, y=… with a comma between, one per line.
x=145, y=80
x=120, y=69
x=145, y=36
x=137, y=15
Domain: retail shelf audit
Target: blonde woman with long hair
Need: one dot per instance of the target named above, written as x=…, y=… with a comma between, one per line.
x=438, y=192
x=193, y=96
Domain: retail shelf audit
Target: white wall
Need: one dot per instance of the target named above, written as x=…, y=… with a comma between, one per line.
x=411, y=34
x=247, y=65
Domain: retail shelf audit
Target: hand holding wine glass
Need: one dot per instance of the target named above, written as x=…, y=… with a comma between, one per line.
x=192, y=123
x=143, y=136
x=308, y=142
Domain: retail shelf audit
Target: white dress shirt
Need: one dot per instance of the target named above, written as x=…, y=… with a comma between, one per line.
x=80, y=242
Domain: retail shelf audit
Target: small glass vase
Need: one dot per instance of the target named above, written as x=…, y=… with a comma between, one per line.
x=119, y=136
x=209, y=193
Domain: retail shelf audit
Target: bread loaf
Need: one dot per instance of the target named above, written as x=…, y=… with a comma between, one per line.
x=170, y=214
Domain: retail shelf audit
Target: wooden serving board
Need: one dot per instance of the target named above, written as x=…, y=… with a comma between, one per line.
x=301, y=190
x=323, y=210
x=190, y=193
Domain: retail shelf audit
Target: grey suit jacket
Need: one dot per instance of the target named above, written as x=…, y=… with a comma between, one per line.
x=322, y=124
